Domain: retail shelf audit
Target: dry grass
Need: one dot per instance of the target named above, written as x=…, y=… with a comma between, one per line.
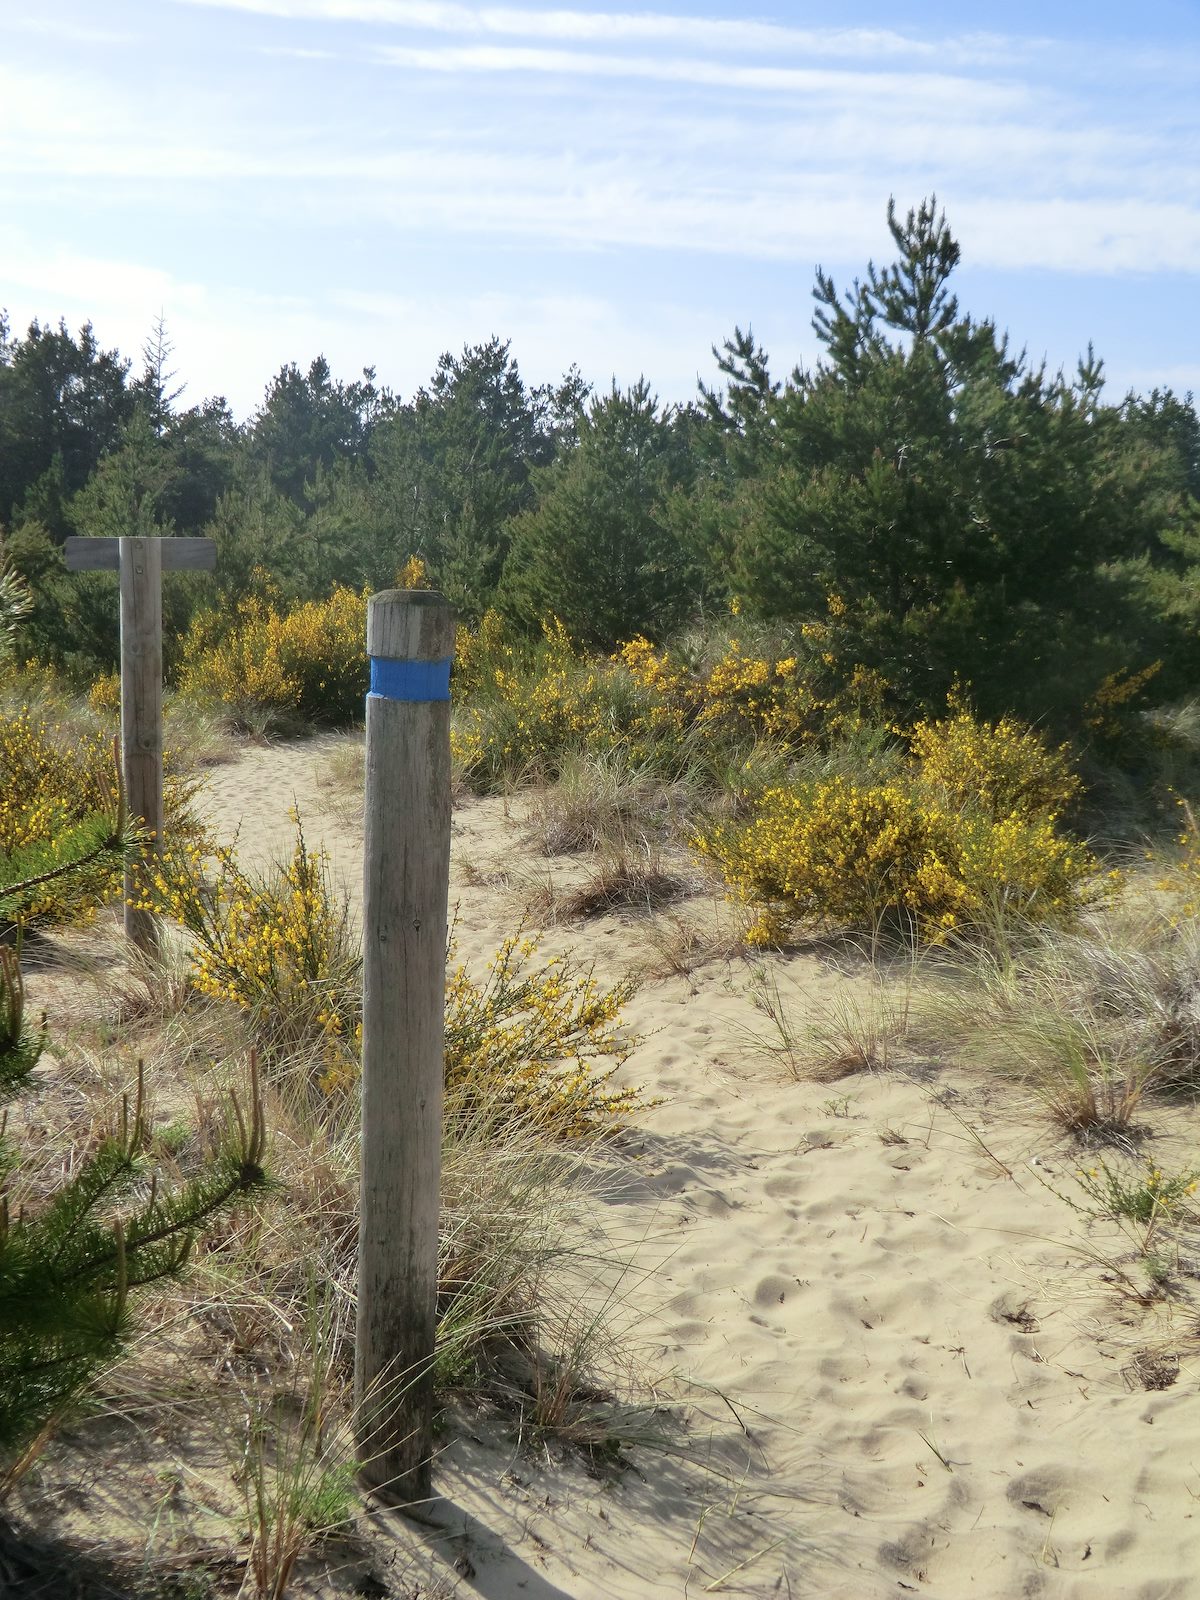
x=200, y=733
x=536, y=1316
x=683, y=944
x=1091, y=1022
x=242, y=1372
x=863, y=1025
x=628, y=877
x=293, y=1454
x=342, y=778
x=622, y=816
x=601, y=801
x=149, y=987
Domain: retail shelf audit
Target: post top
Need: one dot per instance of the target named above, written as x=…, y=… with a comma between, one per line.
x=409, y=597
x=410, y=625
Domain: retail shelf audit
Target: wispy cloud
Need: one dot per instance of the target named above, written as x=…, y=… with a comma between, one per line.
x=800, y=181
x=67, y=31
x=1088, y=236
x=245, y=155
x=647, y=27
x=932, y=91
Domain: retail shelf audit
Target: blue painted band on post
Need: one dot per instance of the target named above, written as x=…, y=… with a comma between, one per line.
x=410, y=680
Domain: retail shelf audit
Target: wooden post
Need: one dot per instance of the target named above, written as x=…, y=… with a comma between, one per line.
x=406, y=869
x=141, y=563
x=141, y=710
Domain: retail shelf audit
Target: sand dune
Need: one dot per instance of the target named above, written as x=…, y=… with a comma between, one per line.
x=905, y=1370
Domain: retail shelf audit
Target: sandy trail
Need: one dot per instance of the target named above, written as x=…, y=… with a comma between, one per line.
x=907, y=1374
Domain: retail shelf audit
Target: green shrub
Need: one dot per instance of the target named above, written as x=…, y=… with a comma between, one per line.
x=525, y=1039
x=304, y=665
x=1001, y=767
x=964, y=832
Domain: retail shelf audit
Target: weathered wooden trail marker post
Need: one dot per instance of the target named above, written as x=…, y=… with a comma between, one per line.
x=406, y=870
x=141, y=563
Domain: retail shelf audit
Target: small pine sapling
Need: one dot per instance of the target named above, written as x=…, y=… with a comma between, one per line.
x=67, y=1271
x=67, y=1268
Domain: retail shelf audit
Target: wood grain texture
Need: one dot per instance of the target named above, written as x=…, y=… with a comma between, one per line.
x=410, y=625
x=141, y=707
x=406, y=869
x=179, y=554
x=140, y=563
x=91, y=555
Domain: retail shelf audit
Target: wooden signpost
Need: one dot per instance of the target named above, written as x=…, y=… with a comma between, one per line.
x=406, y=869
x=141, y=564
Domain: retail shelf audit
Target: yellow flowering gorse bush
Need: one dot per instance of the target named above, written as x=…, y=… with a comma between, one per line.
x=48, y=784
x=54, y=777
x=1003, y=767
x=1181, y=878
x=534, y=1041
x=524, y=1042
x=789, y=699
x=104, y=695
x=278, y=945
x=1109, y=712
x=478, y=652
x=413, y=574
x=520, y=710
x=308, y=664
x=965, y=831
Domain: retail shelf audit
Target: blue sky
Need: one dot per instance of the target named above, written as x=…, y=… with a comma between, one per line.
x=381, y=180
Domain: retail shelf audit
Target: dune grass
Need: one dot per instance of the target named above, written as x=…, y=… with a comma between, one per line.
x=1094, y=1019
x=255, y=1348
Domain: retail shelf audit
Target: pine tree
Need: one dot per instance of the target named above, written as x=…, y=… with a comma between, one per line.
x=155, y=382
x=738, y=417
x=68, y=1270
x=960, y=504
x=597, y=551
x=16, y=602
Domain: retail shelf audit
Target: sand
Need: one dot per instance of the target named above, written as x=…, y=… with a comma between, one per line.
x=903, y=1367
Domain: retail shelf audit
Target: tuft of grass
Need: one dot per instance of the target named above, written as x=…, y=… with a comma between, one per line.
x=342, y=777
x=1151, y=1369
x=1091, y=1022
x=627, y=877
x=151, y=986
x=294, y=1463
x=203, y=733
x=682, y=944
x=536, y=1304
x=601, y=798
x=860, y=1027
